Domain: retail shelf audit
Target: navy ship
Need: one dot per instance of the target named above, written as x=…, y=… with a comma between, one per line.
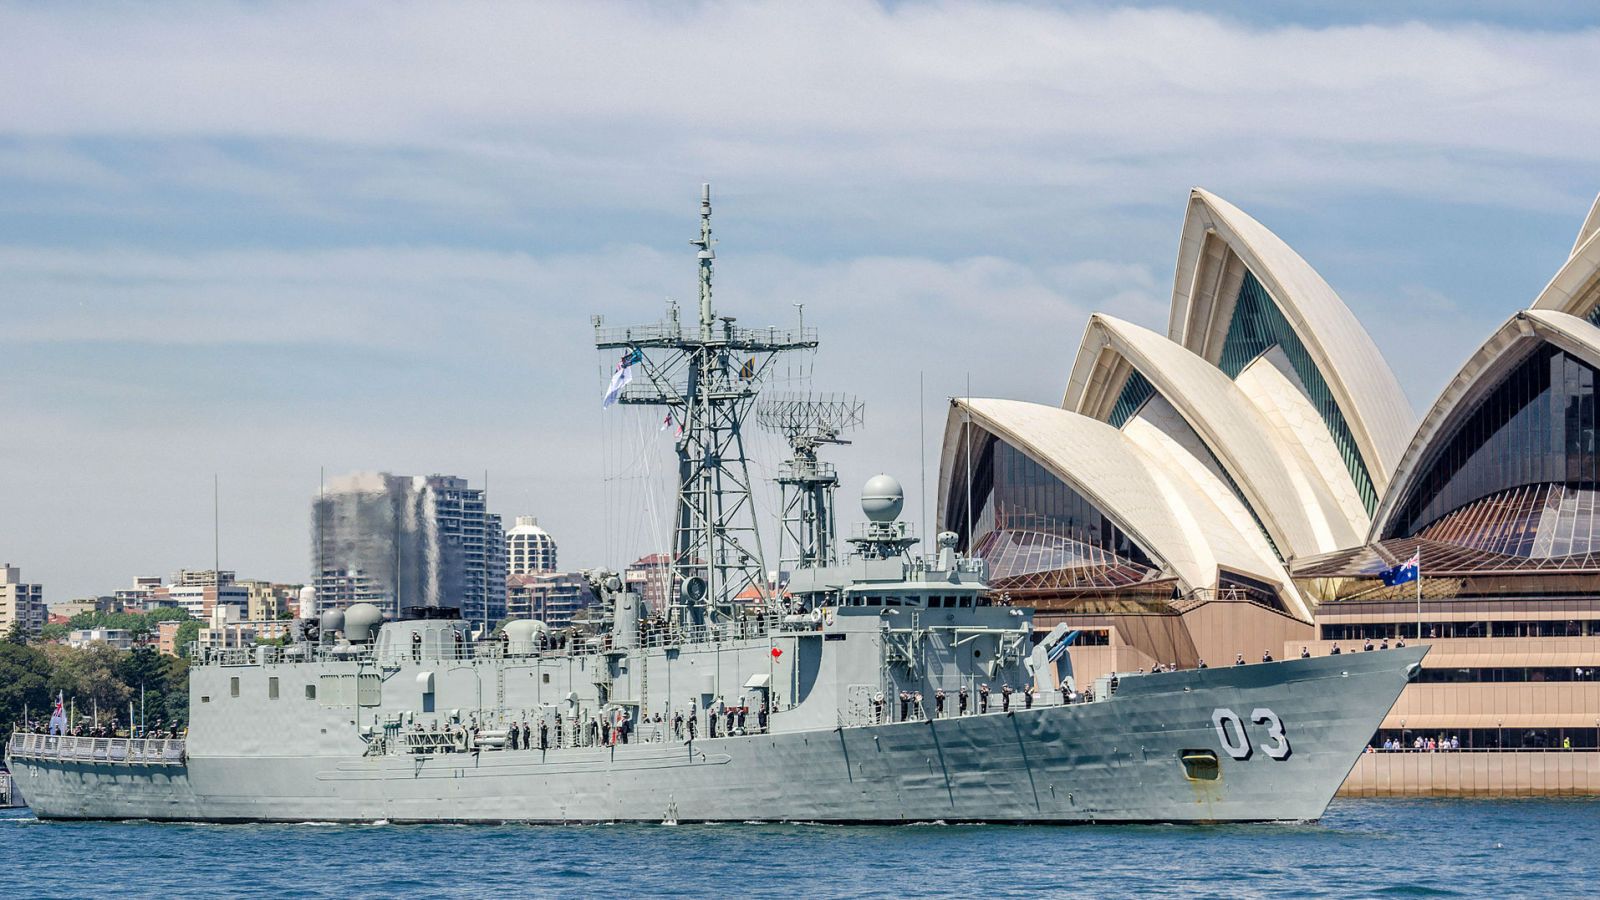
x=872, y=685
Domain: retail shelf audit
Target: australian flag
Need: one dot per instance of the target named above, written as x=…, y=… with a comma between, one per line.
x=1410, y=570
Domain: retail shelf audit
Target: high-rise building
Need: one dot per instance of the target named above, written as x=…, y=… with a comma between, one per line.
x=553, y=598
x=138, y=597
x=268, y=600
x=20, y=602
x=201, y=600
x=652, y=578
x=529, y=548
x=401, y=541
x=202, y=577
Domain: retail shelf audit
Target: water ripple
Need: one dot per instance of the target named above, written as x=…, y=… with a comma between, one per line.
x=1363, y=848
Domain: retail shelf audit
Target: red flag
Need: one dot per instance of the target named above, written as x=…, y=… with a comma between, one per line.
x=777, y=652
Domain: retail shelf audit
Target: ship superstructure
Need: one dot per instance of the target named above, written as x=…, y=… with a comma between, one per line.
x=874, y=686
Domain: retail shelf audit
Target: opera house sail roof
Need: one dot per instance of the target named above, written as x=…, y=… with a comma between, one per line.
x=1262, y=428
x=1502, y=476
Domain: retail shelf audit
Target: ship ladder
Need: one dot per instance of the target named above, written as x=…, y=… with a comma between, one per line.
x=644, y=684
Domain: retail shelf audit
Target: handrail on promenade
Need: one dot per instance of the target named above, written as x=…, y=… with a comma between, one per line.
x=115, y=751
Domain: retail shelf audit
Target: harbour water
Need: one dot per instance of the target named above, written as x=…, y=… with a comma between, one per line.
x=1361, y=848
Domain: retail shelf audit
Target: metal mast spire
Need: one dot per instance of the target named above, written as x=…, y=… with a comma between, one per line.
x=707, y=381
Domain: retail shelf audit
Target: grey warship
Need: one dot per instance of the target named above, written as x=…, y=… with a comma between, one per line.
x=876, y=685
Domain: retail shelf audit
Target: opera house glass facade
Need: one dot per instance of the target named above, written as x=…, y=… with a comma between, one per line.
x=1234, y=486
x=1518, y=477
x=1033, y=528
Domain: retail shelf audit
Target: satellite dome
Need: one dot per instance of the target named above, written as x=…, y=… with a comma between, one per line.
x=361, y=621
x=882, y=498
x=331, y=621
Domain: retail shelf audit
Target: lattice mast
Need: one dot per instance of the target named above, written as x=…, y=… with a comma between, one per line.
x=707, y=379
x=807, y=527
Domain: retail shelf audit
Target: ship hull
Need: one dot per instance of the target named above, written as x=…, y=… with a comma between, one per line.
x=1117, y=760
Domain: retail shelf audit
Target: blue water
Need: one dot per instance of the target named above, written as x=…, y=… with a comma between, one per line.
x=1362, y=848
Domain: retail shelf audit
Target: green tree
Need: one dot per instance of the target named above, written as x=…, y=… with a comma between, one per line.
x=24, y=684
x=165, y=684
x=188, y=632
x=15, y=634
x=90, y=676
x=176, y=697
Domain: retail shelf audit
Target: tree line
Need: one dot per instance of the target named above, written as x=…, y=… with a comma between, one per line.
x=139, y=624
x=97, y=677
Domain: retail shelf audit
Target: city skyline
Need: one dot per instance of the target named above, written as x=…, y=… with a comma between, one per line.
x=325, y=261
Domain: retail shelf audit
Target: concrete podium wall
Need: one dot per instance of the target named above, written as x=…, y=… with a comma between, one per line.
x=1461, y=773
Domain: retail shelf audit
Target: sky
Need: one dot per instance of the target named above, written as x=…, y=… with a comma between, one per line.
x=260, y=241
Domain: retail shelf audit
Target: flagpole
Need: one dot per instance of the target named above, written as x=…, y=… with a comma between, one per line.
x=1419, y=594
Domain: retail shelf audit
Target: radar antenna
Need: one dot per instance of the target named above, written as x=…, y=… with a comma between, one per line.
x=707, y=379
x=807, y=527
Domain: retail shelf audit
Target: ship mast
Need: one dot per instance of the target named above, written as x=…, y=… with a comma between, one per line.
x=807, y=529
x=707, y=380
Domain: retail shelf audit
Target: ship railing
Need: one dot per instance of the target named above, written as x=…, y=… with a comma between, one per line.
x=746, y=628
x=114, y=751
x=652, y=635
x=272, y=654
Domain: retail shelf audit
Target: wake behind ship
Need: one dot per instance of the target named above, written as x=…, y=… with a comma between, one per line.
x=877, y=685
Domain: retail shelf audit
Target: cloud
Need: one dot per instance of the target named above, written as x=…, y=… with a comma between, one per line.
x=260, y=239
x=843, y=91
x=132, y=370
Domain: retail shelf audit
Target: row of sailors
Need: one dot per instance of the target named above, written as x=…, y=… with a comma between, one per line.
x=913, y=706
x=584, y=730
x=721, y=721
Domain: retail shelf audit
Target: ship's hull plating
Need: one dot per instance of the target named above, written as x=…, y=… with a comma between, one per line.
x=1114, y=761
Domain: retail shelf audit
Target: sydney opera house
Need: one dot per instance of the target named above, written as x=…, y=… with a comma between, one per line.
x=1235, y=487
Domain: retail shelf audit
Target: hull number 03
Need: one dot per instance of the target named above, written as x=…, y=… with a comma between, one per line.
x=1235, y=739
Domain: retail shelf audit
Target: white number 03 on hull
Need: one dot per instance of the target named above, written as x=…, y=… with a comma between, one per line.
x=1235, y=739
